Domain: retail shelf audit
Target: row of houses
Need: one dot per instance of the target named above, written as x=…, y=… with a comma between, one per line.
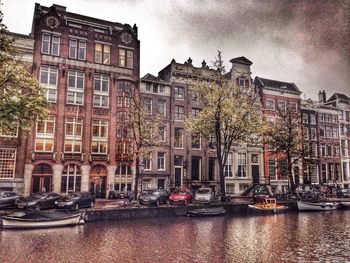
x=89, y=66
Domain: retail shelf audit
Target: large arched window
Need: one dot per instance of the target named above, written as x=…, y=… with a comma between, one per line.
x=71, y=179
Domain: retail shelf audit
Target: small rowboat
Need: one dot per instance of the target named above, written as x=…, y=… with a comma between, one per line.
x=317, y=206
x=345, y=204
x=207, y=211
x=41, y=219
x=263, y=204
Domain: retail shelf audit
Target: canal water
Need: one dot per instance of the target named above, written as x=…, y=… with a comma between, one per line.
x=292, y=237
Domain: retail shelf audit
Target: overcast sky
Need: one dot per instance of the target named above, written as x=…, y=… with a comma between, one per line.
x=305, y=42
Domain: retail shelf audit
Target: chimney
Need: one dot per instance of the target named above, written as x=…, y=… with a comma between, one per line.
x=322, y=96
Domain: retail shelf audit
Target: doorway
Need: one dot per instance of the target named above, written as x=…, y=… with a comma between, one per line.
x=42, y=178
x=255, y=174
x=98, y=180
x=178, y=175
x=161, y=183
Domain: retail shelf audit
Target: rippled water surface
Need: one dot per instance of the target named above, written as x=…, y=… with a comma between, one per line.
x=296, y=237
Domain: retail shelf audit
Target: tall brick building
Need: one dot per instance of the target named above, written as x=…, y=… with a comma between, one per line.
x=88, y=67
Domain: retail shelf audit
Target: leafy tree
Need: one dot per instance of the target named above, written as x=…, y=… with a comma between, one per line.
x=229, y=115
x=21, y=99
x=144, y=129
x=285, y=139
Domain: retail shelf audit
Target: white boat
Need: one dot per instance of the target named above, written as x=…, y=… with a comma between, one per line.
x=317, y=206
x=41, y=219
x=345, y=204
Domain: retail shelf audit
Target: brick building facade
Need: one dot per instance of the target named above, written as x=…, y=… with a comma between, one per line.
x=88, y=67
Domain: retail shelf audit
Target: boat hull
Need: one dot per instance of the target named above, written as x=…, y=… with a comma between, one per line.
x=209, y=211
x=12, y=222
x=273, y=210
x=320, y=206
x=345, y=204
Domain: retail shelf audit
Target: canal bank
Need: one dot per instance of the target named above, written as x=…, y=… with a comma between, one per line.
x=105, y=211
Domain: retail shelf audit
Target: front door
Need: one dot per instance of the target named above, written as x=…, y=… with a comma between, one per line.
x=178, y=174
x=161, y=183
x=41, y=184
x=255, y=174
x=98, y=186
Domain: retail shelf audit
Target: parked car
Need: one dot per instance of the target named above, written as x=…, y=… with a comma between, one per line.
x=76, y=200
x=181, y=195
x=343, y=193
x=38, y=201
x=206, y=196
x=154, y=196
x=8, y=199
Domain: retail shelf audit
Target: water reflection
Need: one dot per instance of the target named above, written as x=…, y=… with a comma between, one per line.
x=297, y=237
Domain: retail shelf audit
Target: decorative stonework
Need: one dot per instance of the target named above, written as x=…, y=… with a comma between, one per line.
x=126, y=38
x=52, y=22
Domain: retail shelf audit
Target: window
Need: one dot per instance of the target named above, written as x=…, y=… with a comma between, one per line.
x=161, y=161
x=75, y=91
x=126, y=58
x=125, y=148
x=314, y=149
x=196, y=141
x=270, y=104
x=146, y=184
x=336, y=150
x=328, y=132
x=211, y=169
x=327, y=118
x=282, y=105
x=230, y=188
x=7, y=163
x=313, y=134
x=102, y=53
x=148, y=86
x=148, y=105
x=77, y=49
x=179, y=93
x=101, y=91
x=123, y=101
x=329, y=150
x=162, y=107
x=242, y=165
x=71, y=179
x=195, y=112
x=321, y=117
x=48, y=78
x=44, y=138
x=312, y=118
x=123, y=170
x=99, y=142
x=125, y=86
x=122, y=116
x=345, y=171
x=147, y=161
x=179, y=113
x=334, y=119
x=322, y=131
x=162, y=133
x=73, y=135
x=196, y=168
x=305, y=118
x=293, y=107
x=272, y=169
x=335, y=133
x=11, y=133
x=178, y=143
x=50, y=44
x=229, y=166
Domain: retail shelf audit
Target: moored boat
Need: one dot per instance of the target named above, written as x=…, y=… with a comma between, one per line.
x=41, y=219
x=266, y=205
x=207, y=211
x=317, y=206
x=345, y=204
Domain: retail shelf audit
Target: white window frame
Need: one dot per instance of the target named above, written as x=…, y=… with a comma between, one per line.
x=99, y=93
x=228, y=170
x=161, y=161
x=99, y=139
x=5, y=162
x=49, y=87
x=243, y=163
x=75, y=138
x=162, y=107
x=273, y=108
x=182, y=138
x=78, y=43
x=75, y=89
x=45, y=136
x=50, y=44
x=147, y=162
x=177, y=94
x=179, y=116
